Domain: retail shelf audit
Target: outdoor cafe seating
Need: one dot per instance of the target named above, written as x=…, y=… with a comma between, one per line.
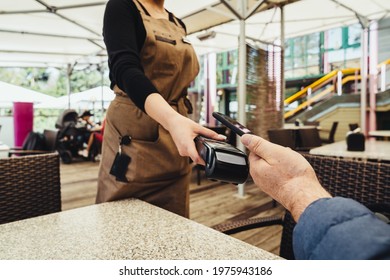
x=36, y=143
x=283, y=137
x=300, y=139
x=29, y=186
x=331, y=133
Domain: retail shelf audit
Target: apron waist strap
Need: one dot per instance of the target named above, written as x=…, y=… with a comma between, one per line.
x=187, y=102
x=173, y=102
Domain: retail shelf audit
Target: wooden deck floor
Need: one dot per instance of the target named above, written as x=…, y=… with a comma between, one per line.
x=212, y=203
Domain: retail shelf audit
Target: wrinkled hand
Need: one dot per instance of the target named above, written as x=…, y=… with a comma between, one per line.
x=283, y=174
x=183, y=131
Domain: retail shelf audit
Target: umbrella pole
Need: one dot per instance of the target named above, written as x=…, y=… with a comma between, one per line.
x=241, y=93
x=101, y=70
x=282, y=44
x=240, y=13
x=363, y=73
x=68, y=86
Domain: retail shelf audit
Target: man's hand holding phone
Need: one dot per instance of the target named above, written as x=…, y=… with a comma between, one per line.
x=234, y=125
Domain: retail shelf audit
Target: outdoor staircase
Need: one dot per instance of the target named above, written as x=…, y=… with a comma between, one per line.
x=329, y=92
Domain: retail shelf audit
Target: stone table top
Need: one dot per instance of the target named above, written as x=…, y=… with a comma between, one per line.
x=127, y=229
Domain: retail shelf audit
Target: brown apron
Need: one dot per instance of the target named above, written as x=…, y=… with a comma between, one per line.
x=156, y=173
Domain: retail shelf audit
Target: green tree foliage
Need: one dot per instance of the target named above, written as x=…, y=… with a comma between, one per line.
x=53, y=81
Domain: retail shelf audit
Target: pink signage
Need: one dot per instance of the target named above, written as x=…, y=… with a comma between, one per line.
x=23, y=121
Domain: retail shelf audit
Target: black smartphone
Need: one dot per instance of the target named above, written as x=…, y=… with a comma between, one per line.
x=234, y=125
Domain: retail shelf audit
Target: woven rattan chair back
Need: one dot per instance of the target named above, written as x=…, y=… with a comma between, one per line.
x=363, y=181
x=29, y=186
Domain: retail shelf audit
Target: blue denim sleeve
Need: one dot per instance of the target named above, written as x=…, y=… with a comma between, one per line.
x=340, y=228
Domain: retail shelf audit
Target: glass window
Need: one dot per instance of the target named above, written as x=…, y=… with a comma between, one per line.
x=354, y=34
x=313, y=59
x=288, y=63
x=352, y=53
x=289, y=74
x=220, y=60
x=336, y=56
x=232, y=57
x=313, y=43
x=299, y=62
x=335, y=38
x=225, y=76
x=300, y=72
x=233, y=75
x=287, y=48
x=299, y=46
x=313, y=70
x=219, y=78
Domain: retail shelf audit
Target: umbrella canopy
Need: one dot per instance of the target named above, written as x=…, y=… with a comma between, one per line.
x=300, y=18
x=60, y=32
x=11, y=93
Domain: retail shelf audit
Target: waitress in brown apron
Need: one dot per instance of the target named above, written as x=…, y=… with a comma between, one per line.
x=147, y=130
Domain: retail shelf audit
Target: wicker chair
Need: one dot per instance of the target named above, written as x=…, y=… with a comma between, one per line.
x=366, y=182
x=29, y=186
x=50, y=138
x=332, y=132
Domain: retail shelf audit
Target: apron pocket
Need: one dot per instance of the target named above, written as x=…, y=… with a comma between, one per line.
x=155, y=161
x=130, y=120
x=154, y=156
x=165, y=40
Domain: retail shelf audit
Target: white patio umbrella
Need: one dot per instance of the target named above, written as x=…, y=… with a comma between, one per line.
x=89, y=99
x=10, y=93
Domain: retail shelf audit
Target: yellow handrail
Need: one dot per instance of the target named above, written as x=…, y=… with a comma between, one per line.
x=307, y=103
x=386, y=62
x=319, y=96
x=320, y=82
x=304, y=90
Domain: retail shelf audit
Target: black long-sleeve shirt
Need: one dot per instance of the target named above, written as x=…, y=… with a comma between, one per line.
x=124, y=35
